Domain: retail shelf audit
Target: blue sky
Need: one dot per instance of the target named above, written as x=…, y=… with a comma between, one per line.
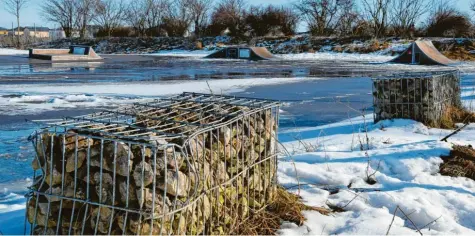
x=32, y=14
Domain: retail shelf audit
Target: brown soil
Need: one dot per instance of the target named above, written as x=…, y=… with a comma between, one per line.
x=286, y=207
x=459, y=163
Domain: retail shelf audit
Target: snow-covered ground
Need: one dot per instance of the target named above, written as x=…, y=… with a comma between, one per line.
x=8, y=51
x=405, y=157
x=184, y=53
x=325, y=56
x=298, y=56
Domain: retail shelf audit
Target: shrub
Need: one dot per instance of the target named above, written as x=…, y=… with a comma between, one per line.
x=448, y=23
x=117, y=32
x=271, y=20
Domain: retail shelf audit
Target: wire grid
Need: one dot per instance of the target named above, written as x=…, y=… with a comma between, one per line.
x=421, y=96
x=188, y=164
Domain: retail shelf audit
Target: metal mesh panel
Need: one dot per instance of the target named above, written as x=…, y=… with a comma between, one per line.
x=188, y=164
x=419, y=96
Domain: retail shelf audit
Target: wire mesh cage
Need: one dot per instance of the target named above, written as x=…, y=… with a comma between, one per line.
x=188, y=164
x=421, y=96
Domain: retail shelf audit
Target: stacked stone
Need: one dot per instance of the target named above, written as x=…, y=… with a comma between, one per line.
x=421, y=98
x=208, y=182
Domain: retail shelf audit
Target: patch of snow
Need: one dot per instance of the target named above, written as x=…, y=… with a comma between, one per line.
x=9, y=51
x=183, y=53
x=336, y=56
x=326, y=48
x=394, y=48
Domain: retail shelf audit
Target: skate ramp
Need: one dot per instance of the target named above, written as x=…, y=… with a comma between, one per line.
x=74, y=53
x=423, y=52
x=262, y=53
x=249, y=53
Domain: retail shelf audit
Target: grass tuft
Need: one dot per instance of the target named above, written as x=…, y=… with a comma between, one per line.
x=285, y=207
x=454, y=115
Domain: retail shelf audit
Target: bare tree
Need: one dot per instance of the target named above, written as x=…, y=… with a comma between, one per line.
x=441, y=5
x=63, y=12
x=178, y=21
x=262, y=21
x=199, y=13
x=85, y=10
x=320, y=15
x=446, y=20
x=157, y=11
x=405, y=15
x=136, y=15
x=229, y=14
x=109, y=14
x=377, y=13
x=348, y=18
x=14, y=7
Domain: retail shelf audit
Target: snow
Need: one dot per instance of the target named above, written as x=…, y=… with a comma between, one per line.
x=35, y=98
x=183, y=53
x=405, y=156
x=8, y=51
x=325, y=56
x=393, y=48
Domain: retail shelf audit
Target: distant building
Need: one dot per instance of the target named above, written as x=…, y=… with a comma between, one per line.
x=3, y=31
x=32, y=31
x=38, y=32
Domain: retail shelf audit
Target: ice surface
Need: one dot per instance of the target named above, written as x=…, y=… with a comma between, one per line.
x=8, y=51
x=35, y=98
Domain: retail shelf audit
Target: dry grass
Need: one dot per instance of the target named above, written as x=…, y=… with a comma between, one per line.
x=285, y=207
x=454, y=115
x=459, y=53
x=459, y=163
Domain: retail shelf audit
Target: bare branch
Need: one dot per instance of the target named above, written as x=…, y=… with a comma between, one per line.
x=14, y=7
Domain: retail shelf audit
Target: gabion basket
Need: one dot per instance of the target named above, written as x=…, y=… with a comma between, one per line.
x=421, y=96
x=187, y=164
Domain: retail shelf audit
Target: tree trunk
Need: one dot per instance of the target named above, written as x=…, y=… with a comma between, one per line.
x=197, y=29
x=18, y=23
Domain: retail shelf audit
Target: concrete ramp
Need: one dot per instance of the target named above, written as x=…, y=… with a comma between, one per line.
x=74, y=53
x=423, y=53
x=249, y=53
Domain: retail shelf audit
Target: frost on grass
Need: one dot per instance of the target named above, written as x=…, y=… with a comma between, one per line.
x=410, y=192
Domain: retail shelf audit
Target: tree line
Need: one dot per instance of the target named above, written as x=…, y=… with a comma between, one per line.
x=176, y=18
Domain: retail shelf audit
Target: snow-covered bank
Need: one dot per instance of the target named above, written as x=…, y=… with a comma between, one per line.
x=35, y=98
x=325, y=56
x=8, y=51
x=405, y=157
x=183, y=53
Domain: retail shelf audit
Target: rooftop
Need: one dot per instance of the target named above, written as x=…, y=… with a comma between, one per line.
x=37, y=28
